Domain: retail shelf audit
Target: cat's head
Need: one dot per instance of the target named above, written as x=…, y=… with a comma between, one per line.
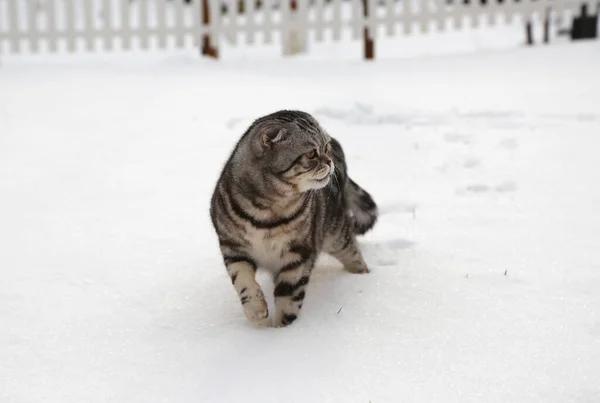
x=292, y=146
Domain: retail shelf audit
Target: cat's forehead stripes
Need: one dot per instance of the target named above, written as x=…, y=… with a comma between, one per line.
x=311, y=127
x=303, y=120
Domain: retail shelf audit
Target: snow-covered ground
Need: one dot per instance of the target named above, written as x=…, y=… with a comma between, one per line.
x=485, y=283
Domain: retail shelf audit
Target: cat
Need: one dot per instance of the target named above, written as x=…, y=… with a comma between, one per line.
x=283, y=198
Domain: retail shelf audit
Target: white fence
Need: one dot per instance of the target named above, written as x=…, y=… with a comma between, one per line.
x=91, y=25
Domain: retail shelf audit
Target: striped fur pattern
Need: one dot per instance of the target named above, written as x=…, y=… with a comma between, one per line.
x=284, y=197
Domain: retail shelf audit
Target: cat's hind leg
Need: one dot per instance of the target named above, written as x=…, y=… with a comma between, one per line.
x=347, y=251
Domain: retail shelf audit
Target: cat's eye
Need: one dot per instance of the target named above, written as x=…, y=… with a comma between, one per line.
x=328, y=148
x=310, y=154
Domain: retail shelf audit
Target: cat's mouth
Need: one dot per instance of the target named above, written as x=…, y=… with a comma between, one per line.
x=325, y=178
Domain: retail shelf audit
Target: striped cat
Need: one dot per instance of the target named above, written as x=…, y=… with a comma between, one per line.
x=284, y=197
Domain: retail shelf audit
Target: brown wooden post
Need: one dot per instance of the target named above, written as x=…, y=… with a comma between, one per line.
x=529, y=32
x=547, y=26
x=369, y=45
x=207, y=48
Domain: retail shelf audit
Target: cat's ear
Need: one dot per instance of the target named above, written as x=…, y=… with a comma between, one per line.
x=269, y=137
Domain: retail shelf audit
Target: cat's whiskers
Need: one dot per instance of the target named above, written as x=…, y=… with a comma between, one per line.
x=334, y=177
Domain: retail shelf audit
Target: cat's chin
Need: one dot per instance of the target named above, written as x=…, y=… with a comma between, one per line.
x=314, y=184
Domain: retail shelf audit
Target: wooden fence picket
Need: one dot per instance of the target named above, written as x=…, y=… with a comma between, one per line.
x=336, y=20
x=69, y=19
x=268, y=25
x=179, y=27
x=390, y=14
x=51, y=33
x=160, y=19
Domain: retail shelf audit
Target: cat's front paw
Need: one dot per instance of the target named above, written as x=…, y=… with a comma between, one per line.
x=257, y=312
x=285, y=319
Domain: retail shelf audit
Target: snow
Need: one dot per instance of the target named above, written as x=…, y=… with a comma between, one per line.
x=485, y=263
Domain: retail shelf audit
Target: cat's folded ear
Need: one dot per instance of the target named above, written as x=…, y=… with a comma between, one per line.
x=267, y=135
x=271, y=136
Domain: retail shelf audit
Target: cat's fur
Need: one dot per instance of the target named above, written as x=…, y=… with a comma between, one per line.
x=277, y=207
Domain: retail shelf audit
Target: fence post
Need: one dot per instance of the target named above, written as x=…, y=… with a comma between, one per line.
x=529, y=32
x=547, y=25
x=369, y=45
x=207, y=48
x=295, y=41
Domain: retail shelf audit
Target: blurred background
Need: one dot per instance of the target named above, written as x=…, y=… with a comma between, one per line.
x=215, y=27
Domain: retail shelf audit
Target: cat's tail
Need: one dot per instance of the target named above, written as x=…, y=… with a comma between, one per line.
x=362, y=207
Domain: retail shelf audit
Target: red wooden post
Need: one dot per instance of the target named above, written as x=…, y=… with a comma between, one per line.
x=207, y=48
x=368, y=42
